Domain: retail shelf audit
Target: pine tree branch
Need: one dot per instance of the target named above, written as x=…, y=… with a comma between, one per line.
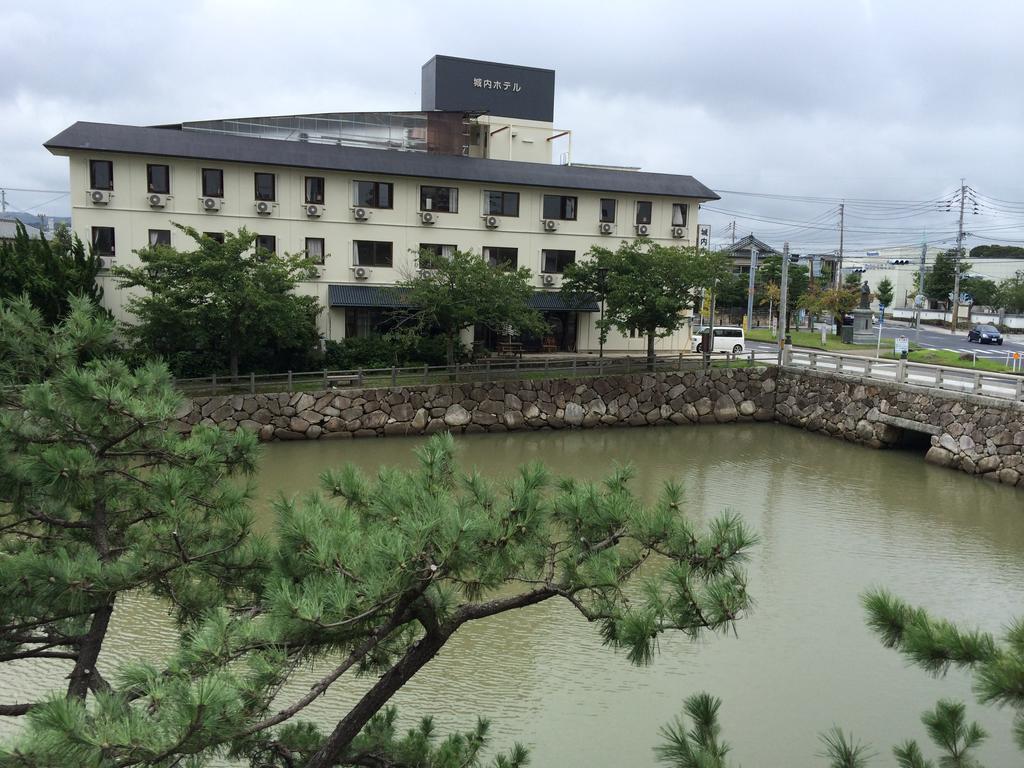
x=16, y=710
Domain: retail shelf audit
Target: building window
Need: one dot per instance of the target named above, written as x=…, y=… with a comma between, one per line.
x=213, y=182
x=315, y=251
x=679, y=214
x=444, y=199
x=501, y=203
x=555, y=262
x=363, y=322
x=217, y=237
x=370, y=253
x=264, y=186
x=159, y=237
x=502, y=258
x=158, y=179
x=101, y=174
x=315, y=190
x=608, y=210
x=643, y=211
x=559, y=207
x=266, y=243
x=432, y=253
x=103, y=241
x=373, y=194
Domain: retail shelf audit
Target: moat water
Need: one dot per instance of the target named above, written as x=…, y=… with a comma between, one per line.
x=833, y=519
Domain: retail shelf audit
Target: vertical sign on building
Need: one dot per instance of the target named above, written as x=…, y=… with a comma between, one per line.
x=704, y=237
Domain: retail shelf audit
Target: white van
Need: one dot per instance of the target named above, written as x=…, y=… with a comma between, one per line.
x=725, y=339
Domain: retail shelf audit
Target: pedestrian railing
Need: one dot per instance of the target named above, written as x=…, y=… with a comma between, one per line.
x=974, y=381
x=490, y=370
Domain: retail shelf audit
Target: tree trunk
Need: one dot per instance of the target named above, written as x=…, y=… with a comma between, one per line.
x=89, y=652
x=233, y=364
x=450, y=349
x=375, y=699
x=650, y=349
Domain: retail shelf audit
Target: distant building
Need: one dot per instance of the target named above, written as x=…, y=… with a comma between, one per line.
x=9, y=229
x=742, y=252
x=364, y=193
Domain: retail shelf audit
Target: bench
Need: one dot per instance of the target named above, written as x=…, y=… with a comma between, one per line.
x=344, y=380
x=510, y=349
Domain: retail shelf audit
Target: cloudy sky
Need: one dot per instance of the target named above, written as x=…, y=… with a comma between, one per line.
x=866, y=101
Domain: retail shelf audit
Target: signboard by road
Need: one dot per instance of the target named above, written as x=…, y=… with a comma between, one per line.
x=902, y=345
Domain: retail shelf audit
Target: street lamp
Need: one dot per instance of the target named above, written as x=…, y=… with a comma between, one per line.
x=602, y=274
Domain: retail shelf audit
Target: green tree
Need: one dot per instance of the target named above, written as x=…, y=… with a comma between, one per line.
x=997, y=252
x=834, y=302
x=883, y=292
x=98, y=499
x=939, y=280
x=852, y=281
x=981, y=291
x=221, y=305
x=48, y=271
x=461, y=291
x=1010, y=295
x=769, y=270
x=649, y=286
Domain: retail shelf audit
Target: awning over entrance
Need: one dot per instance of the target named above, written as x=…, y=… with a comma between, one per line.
x=381, y=296
x=393, y=297
x=554, y=301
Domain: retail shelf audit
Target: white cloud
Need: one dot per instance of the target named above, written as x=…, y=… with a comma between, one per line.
x=839, y=99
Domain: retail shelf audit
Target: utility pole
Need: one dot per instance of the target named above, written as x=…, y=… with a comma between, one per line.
x=3, y=200
x=732, y=229
x=783, y=300
x=750, y=286
x=842, y=231
x=956, y=259
x=920, y=289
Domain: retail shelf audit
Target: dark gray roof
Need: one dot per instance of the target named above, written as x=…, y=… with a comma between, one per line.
x=750, y=241
x=168, y=142
x=366, y=296
x=389, y=297
x=555, y=301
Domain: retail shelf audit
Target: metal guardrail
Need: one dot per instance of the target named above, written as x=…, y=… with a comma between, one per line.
x=576, y=367
x=991, y=384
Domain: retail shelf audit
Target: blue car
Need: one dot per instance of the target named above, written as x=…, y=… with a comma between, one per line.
x=985, y=334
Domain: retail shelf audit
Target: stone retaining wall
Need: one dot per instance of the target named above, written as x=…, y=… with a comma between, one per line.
x=978, y=435
x=717, y=396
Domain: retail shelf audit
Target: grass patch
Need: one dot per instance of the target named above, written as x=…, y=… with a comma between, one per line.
x=953, y=360
x=812, y=340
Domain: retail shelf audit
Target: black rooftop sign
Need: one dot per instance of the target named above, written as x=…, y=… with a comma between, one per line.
x=467, y=85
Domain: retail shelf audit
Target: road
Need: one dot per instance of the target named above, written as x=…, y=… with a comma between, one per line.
x=962, y=380
x=932, y=338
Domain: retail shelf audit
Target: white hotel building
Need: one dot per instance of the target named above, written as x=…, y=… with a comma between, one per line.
x=363, y=193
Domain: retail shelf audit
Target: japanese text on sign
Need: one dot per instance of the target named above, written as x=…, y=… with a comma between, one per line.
x=497, y=85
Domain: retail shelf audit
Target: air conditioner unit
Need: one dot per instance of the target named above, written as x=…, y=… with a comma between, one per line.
x=99, y=196
x=492, y=222
x=264, y=207
x=550, y=225
x=643, y=229
x=678, y=232
x=106, y=262
x=156, y=200
x=606, y=228
x=428, y=217
x=360, y=214
x=211, y=203
x=548, y=279
x=313, y=210
x=361, y=273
